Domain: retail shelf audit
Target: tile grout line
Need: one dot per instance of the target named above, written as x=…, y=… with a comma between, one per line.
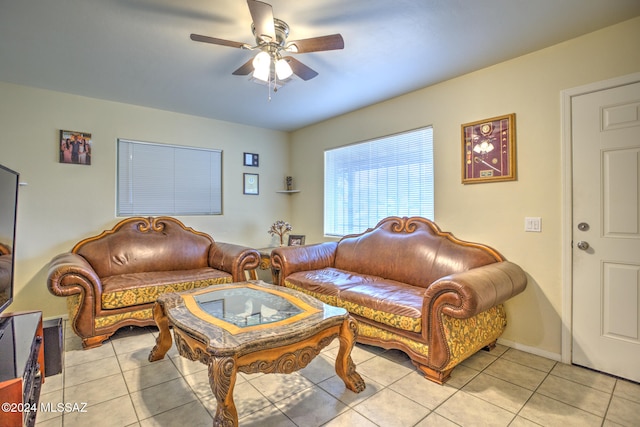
x=606, y=412
x=548, y=373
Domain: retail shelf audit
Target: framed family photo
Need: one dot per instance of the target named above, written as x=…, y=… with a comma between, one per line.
x=75, y=147
x=488, y=150
x=296, y=240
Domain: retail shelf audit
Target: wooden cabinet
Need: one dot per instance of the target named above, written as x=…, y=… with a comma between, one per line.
x=21, y=367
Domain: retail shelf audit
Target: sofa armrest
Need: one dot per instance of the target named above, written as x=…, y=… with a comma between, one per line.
x=463, y=295
x=71, y=274
x=234, y=259
x=290, y=259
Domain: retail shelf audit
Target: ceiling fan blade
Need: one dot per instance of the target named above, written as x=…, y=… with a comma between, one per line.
x=245, y=69
x=213, y=40
x=316, y=44
x=262, y=15
x=299, y=69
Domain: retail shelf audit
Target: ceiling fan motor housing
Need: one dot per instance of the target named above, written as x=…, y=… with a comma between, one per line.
x=281, y=29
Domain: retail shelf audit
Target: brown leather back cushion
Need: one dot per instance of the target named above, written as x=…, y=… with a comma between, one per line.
x=136, y=249
x=413, y=255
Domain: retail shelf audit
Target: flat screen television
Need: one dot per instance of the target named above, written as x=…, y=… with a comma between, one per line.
x=8, y=210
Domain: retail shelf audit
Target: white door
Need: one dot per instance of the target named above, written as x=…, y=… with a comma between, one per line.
x=606, y=230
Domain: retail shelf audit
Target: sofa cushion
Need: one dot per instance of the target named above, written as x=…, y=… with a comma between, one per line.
x=328, y=282
x=126, y=290
x=385, y=301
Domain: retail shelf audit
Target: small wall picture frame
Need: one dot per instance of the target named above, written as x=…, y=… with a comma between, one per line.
x=489, y=150
x=75, y=147
x=251, y=159
x=296, y=239
x=251, y=184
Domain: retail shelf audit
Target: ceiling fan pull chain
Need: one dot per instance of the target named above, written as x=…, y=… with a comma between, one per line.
x=275, y=80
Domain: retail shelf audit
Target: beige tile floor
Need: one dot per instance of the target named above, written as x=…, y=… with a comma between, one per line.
x=505, y=387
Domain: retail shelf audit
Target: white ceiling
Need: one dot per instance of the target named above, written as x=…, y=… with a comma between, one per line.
x=139, y=51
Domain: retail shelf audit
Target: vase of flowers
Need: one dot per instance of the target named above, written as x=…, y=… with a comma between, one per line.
x=280, y=228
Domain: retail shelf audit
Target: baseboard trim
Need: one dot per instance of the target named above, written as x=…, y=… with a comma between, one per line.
x=533, y=350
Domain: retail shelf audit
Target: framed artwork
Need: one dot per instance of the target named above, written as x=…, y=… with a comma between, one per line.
x=75, y=147
x=251, y=184
x=296, y=240
x=488, y=150
x=251, y=159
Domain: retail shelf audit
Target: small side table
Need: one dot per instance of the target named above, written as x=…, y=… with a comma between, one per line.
x=265, y=264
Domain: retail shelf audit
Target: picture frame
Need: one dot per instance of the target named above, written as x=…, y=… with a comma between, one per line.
x=489, y=150
x=251, y=159
x=251, y=184
x=75, y=147
x=296, y=240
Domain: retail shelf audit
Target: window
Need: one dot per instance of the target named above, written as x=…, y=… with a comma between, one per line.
x=159, y=179
x=369, y=181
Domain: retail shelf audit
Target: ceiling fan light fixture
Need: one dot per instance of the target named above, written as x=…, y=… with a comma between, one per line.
x=262, y=66
x=283, y=69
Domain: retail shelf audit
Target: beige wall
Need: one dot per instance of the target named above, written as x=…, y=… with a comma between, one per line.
x=64, y=203
x=491, y=213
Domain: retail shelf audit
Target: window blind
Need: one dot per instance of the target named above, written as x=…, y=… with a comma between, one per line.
x=371, y=180
x=159, y=179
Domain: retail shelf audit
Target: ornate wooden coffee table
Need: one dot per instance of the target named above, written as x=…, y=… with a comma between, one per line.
x=252, y=327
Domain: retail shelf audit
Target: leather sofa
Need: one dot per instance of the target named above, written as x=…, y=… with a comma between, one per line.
x=411, y=287
x=113, y=279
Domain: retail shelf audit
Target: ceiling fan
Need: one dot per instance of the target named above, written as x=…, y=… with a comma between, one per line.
x=271, y=40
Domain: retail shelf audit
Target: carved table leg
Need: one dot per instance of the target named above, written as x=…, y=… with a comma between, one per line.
x=345, y=368
x=222, y=379
x=163, y=342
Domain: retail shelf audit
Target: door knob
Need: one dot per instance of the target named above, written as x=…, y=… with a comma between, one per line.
x=583, y=245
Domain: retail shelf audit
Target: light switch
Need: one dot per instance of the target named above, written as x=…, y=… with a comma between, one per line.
x=533, y=224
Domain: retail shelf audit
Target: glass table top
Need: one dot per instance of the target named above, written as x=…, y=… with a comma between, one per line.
x=248, y=315
x=246, y=306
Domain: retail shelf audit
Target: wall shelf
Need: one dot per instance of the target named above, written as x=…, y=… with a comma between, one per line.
x=288, y=191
